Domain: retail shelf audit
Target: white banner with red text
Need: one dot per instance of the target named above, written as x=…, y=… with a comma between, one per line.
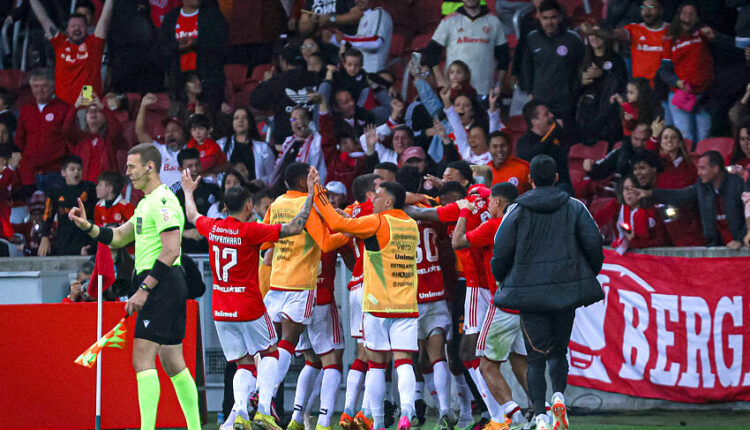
x=671, y=328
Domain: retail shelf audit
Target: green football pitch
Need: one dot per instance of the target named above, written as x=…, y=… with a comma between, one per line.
x=647, y=420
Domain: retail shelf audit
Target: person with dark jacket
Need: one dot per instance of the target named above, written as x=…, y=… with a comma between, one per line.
x=197, y=45
x=619, y=160
x=551, y=63
x=719, y=198
x=554, y=274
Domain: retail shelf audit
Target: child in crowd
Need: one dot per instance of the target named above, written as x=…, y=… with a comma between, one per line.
x=458, y=79
x=112, y=207
x=637, y=226
x=59, y=202
x=639, y=105
x=8, y=178
x=213, y=159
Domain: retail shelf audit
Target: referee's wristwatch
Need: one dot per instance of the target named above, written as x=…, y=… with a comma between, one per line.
x=144, y=287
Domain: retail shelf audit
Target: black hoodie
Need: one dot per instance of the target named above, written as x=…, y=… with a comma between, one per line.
x=548, y=252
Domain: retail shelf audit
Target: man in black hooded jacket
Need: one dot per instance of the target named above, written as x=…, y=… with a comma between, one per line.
x=548, y=252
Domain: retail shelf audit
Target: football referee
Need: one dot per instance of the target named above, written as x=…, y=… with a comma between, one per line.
x=160, y=300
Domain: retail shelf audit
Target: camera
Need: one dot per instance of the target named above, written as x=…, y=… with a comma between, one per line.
x=84, y=287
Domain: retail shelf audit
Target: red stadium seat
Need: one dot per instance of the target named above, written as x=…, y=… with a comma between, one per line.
x=429, y=14
x=581, y=152
x=604, y=211
x=242, y=98
x=397, y=45
x=236, y=75
x=258, y=72
x=128, y=132
x=134, y=102
x=122, y=116
x=11, y=79
x=617, y=145
x=725, y=146
x=420, y=42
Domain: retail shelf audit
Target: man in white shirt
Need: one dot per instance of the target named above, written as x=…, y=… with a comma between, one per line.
x=175, y=139
x=373, y=36
x=474, y=36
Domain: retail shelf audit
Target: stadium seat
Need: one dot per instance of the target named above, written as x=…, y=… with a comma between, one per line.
x=604, y=211
x=236, y=75
x=242, y=97
x=258, y=72
x=122, y=116
x=429, y=15
x=581, y=152
x=24, y=95
x=134, y=103
x=11, y=79
x=128, y=132
x=420, y=42
x=397, y=45
x=617, y=145
x=725, y=146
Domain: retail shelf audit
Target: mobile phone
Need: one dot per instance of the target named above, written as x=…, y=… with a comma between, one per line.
x=87, y=92
x=416, y=58
x=625, y=227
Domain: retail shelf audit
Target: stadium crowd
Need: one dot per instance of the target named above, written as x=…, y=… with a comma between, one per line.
x=642, y=105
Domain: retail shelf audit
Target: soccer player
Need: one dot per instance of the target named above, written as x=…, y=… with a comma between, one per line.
x=478, y=297
x=156, y=227
x=389, y=295
x=295, y=265
x=500, y=336
x=363, y=189
x=242, y=323
x=434, y=322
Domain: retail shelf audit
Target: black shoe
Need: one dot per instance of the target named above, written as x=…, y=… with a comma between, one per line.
x=389, y=411
x=420, y=408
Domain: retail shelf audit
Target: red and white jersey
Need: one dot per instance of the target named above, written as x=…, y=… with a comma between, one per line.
x=233, y=248
x=472, y=261
x=120, y=211
x=187, y=26
x=357, y=210
x=646, y=46
x=324, y=289
x=691, y=58
x=430, y=275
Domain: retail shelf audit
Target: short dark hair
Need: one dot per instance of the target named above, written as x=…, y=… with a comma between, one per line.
x=543, y=169
x=294, y=172
x=498, y=133
x=453, y=187
x=648, y=157
x=147, y=152
x=714, y=158
x=86, y=4
x=8, y=97
x=551, y=5
x=112, y=178
x=198, y=120
x=260, y=195
x=387, y=165
x=484, y=131
x=76, y=15
x=302, y=108
x=353, y=52
x=463, y=168
x=235, y=198
x=505, y=190
x=529, y=111
x=397, y=191
x=409, y=132
x=234, y=173
x=362, y=185
x=188, y=154
x=409, y=177
x=70, y=159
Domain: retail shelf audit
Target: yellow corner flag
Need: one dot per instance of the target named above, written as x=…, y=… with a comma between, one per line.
x=115, y=338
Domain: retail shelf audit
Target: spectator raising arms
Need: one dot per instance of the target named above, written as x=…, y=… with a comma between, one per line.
x=97, y=144
x=175, y=138
x=78, y=55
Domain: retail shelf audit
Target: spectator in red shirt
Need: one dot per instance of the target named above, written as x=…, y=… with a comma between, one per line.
x=97, y=144
x=111, y=208
x=8, y=178
x=638, y=225
x=39, y=133
x=78, y=55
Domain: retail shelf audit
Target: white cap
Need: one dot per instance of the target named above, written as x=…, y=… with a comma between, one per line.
x=336, y=187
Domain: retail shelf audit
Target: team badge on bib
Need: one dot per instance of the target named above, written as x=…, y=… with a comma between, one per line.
x=562, y=50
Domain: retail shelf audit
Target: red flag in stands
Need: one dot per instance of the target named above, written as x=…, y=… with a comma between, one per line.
x=104, y=266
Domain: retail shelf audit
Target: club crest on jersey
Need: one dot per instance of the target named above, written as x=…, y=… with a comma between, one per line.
x=49, y=117
x=562, y=50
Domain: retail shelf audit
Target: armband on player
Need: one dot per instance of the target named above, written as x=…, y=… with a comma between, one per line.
x=160, y=271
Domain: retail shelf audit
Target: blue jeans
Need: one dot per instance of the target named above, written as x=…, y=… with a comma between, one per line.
x=695, y=125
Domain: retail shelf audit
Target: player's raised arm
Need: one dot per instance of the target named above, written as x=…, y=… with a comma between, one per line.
x=459, y=240
x=297, y=224
x=188, y=187
x=422, y=214
x=362, y=228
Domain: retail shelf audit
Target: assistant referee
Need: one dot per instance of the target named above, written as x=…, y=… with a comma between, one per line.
x=160, y=300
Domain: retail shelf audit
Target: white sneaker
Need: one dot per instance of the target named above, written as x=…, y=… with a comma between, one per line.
x=542, y=422
x=559, y=412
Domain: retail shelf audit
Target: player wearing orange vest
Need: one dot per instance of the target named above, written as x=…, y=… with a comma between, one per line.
x=500, y=335
x=389, y=296
x=295, y=265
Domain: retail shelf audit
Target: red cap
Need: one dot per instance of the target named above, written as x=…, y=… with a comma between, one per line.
x=413, y=152
x=168, y=119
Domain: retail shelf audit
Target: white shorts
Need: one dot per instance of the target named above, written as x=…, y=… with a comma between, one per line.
x=241, y=338
x=501, y=334
x=477, y=302
x=355, y=312
x=389, y=334
x=433, y=316
x=323, y=334
x=294, y=305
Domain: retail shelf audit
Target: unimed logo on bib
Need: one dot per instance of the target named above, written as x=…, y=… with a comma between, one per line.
x=656, y=335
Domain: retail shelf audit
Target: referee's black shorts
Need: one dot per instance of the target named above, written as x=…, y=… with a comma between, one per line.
x=162, y=318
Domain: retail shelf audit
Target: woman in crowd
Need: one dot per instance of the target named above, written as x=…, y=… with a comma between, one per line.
x=741, y=158
x=245, y=145
x=231, y=178
x=638, y=224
